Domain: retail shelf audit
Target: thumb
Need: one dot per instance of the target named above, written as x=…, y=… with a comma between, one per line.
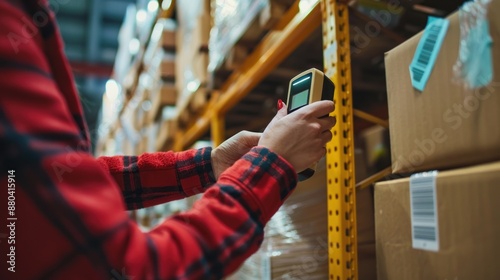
x=251, y=138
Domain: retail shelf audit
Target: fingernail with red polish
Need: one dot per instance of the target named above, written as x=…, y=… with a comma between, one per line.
x=280, y=104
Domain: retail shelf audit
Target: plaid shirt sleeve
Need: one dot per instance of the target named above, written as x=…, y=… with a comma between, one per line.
x=69, y=219
x=154, y=178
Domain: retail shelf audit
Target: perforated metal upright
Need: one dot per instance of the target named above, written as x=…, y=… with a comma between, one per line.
x=342, y=251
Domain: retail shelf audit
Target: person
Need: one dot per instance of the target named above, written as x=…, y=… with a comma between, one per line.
x=65, y=210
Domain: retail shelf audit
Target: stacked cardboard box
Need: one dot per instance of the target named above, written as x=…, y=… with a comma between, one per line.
x=159, y=64
x=468, y=226
x=159, y=60
x=446, y=125
x=192, y=58
x=443, y=224
x=145, y=78
x=243, y=24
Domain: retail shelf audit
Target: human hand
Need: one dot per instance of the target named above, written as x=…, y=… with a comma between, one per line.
x=233, y=149
x=300, y=137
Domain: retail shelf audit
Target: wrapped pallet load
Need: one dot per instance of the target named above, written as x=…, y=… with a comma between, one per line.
x=295, y=243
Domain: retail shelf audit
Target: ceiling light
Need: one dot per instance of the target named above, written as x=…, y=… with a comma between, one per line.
x=152, y=6
x=112, y=90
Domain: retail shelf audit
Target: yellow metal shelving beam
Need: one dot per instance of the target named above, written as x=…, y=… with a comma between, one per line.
x=217, y=129
x=295, y=26
x=342, y=239
x=371, y=118
x=277, y=46
x=374, y=178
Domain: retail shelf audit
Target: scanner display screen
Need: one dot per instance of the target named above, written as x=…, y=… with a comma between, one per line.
x=299, y=92
x=300, y=99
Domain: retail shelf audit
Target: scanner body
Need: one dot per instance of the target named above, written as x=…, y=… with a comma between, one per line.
x=305, y=88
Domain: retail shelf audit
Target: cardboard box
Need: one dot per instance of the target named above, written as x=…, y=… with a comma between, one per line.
x=236, y=57
x=168, y=39
x=162, y=37
x=271, y=14
x=138, y=117
x=168, y=67
x=154, y=96
x=375, y=141
x=199, y=64
x=196, y=56
x=166, y=134
x=168, y=94
x=445, y=126
x=152, y=134
x=181, y=59
x=244, y=16
x=201, y=33
x=468, y=226
x=198, y=100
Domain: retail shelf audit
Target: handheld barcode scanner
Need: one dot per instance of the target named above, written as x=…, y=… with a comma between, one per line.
x=307, y=87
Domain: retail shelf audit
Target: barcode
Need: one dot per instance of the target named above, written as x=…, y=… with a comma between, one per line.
x=423, y=203
x=427, y=49
x=423, y=211
x=265, y=267
x=427, y=52
x=429, y=44
x=425, y=233
x=417, y=74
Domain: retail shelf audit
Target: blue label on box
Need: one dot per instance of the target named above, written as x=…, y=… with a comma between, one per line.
x=427, y=51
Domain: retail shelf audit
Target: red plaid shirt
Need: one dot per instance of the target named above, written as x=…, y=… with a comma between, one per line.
x=69, y=219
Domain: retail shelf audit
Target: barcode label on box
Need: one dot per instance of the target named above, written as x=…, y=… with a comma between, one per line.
x=265, y=265
x=424, y=216
x=427, y=51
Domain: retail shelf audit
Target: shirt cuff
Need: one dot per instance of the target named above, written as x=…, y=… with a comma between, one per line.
x=194, y=170
x=266, y=176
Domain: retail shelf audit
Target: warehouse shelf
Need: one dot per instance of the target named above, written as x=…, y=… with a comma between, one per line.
x=296, y=25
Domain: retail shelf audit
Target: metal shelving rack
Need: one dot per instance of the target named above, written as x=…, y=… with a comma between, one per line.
x=342, y=244
x=296, y=25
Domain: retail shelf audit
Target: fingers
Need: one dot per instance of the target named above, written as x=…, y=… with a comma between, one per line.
x=319, y=153
x=320, y=108
x=327, y=122
x=326, y=136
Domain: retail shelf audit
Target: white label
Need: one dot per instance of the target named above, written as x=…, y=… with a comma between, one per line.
x=424, y=221
x=265, y=266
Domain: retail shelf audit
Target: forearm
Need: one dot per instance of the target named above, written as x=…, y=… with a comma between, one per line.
x=224, y=227
x=155, y=178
